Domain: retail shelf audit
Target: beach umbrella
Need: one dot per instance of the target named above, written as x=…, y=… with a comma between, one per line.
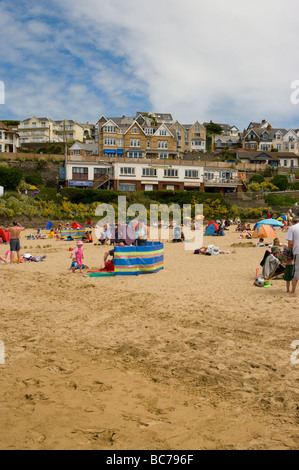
x=264, y=231
x=272, y=222
x=282, y=218
x=199, y=217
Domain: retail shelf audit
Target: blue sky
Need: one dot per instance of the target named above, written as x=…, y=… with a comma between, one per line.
x=220, y=60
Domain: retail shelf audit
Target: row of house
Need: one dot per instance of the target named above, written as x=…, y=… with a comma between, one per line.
x=148, y=135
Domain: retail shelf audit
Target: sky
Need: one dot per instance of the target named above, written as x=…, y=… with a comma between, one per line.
x=223, y=60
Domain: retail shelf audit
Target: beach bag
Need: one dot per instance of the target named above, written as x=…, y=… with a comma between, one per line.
x=213, y=250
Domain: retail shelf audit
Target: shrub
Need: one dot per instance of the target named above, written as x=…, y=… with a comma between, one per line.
x=279, y=200
x=10, y=178
x=48, y=194
x=295, y=186
x=257, y=179
x=281, y=181
x=34, y=179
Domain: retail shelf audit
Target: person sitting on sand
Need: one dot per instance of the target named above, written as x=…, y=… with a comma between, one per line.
x=108, y=265
x=105, y=236
x=261, y=242
x=88, y=237
x=246, y=234
x=6, y=258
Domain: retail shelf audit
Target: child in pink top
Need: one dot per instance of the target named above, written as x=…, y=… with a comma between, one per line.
x=78, y=252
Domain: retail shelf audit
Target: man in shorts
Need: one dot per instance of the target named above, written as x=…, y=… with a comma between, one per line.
x=293, y=244
x=15, y=230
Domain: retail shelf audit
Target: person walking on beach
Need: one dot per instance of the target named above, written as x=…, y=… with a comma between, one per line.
x=78, y=252
x=15, y=230
x=293, y=244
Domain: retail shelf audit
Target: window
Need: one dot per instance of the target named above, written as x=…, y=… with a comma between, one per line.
x=162, y=144
x=80, y=173
x=292, y=146
x=149, y=172
x=163, y=155
x=99, y=172
x=135, y=154
x=148, y=145
x=197, y=128
x=149, y=130
x=120, y=142
x=109, y=142
x=285, y=163
x=198, y=143
x=77, y=152
x=171, y=173
x=127, y=187
x=253, y=146
x=162, y=132
x=197, y=134
x=292, y=163
x=191, y=174
x=127, y=170
x=135, y=143
x=135, y=130
x=34, y=124
x=279, y=147
x=110, y=129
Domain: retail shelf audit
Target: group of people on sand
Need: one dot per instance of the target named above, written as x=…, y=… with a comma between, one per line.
x=245, y=231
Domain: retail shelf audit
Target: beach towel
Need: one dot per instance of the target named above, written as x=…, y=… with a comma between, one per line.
x=270, y=264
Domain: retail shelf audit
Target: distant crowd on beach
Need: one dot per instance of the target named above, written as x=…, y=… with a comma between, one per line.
x=284, y=258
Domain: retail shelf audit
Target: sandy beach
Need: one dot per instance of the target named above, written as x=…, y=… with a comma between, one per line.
x=193, y=357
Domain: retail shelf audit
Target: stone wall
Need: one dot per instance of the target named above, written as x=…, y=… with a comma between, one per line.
x=49, y=171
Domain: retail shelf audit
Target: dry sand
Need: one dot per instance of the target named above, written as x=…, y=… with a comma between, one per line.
x=193, y=357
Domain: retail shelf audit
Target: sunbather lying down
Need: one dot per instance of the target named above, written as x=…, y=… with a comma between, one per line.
x=212, y=250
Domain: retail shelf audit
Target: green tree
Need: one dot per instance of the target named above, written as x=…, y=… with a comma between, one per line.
x=214, y=129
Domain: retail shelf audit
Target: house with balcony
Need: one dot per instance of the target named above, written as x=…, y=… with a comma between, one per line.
x=45, y=130
x=8, y=139
x=126, y=174
x=68, y=130
x=38, y=130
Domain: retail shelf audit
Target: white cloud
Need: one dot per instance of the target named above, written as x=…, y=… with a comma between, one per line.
x=196, y=57
x=229, y=61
